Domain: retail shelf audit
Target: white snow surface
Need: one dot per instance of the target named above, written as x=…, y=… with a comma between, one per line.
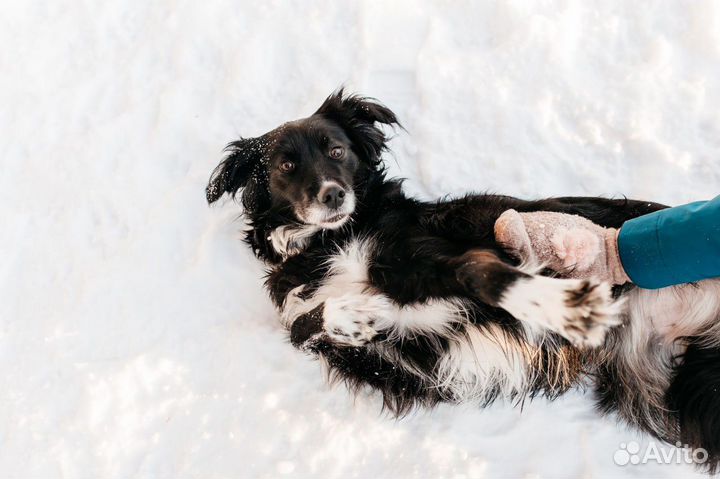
x=136, y=339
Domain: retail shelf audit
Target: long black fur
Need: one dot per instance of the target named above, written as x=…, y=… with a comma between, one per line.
x=415, y=259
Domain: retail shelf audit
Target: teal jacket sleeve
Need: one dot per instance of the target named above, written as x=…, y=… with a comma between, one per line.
x=672, y=246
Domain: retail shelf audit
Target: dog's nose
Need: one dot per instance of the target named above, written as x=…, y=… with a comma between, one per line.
x=331, y=196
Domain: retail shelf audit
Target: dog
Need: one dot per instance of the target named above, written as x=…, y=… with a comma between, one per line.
x=418, y=301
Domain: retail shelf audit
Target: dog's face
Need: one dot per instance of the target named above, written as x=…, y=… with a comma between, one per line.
x=309, y=168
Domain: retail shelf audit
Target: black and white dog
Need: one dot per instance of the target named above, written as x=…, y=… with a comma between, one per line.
x=418, y=301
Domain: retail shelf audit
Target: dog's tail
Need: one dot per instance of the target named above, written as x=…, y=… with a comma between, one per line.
x=674, y=398
x=694, y=396
x=633, y=379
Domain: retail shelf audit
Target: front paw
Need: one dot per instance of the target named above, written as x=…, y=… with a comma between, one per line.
x=295, y=304
x=354, y=319
x=582, y=311
x=307, y=328
x=590, y=313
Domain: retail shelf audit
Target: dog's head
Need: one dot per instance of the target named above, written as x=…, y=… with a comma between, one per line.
x=308, y=169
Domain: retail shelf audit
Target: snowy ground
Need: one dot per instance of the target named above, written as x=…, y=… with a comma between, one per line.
x=135, y=337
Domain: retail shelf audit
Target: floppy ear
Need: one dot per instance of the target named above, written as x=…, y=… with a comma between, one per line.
x=358, y=116
x=236, y=169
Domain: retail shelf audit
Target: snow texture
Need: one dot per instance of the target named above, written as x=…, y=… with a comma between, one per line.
x=135, y=337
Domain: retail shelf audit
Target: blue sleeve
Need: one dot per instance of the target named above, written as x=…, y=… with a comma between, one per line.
x=672, y=246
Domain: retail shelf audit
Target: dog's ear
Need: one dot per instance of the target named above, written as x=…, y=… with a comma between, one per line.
x=358, y=116
x=234, y=172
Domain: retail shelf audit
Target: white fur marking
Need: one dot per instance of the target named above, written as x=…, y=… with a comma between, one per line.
x=294, y=306
x=436, y=317
x=580, y=310
x=318, y=215
x=350, y=319
x=678, y=311
x=477, y=361
x=348, y=299
x=291, y=240
x=480, y=360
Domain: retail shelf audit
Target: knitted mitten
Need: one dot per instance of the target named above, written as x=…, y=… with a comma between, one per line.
x=569, y=244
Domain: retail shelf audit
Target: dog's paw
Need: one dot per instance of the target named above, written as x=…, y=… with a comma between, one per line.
x=290, y=241
x=307, y=328
x=353, y=319
x=590, y=312
x=581, y=310
x=295, y=304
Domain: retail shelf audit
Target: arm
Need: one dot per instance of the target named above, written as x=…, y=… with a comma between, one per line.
x=663, y=248
x=673, y=246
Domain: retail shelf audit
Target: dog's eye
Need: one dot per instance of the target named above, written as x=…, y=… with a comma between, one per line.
x=287, y=166
x=337, y=152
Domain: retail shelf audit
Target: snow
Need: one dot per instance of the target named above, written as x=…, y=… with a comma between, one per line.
x=136, y=339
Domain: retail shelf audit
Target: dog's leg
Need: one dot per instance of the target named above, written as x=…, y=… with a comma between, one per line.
x=353, y=319
x=350, y=319
x=581, y=310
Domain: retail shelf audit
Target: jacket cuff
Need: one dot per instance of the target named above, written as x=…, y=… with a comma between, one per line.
x=641, y=254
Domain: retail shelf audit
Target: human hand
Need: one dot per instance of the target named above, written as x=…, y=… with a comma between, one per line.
x=569, y=244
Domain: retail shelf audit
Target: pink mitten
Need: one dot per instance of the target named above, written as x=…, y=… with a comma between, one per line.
x=569, y=244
